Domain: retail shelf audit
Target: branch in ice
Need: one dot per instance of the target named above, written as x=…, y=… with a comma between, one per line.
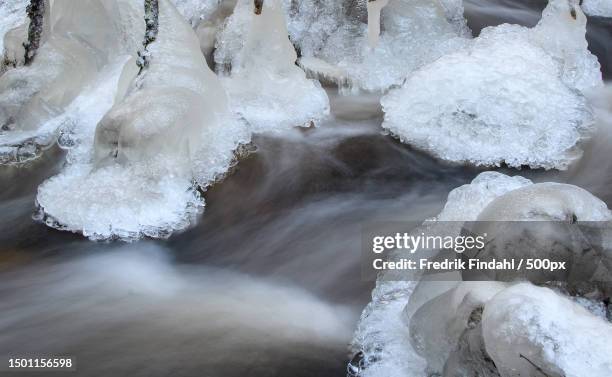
x=152, y=26
x=258, y=6
x=36, y=13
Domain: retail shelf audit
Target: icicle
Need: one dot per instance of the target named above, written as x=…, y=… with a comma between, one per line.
x=374, y=9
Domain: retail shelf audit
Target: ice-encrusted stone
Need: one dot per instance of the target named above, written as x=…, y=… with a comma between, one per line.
x=383, y=332
x=444, y=317
x=514, y=96
x=601, y=8
x=531, y=331
x=169, y=131
x=265, y=86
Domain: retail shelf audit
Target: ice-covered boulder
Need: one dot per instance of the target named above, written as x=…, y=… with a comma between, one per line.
x=169, y=131
x=514, y=96
x=84, y=38
x=531, y=331
x=436, y=327
x=383, y=334
x=412, y=34
x=601, y=8
x=265, y=86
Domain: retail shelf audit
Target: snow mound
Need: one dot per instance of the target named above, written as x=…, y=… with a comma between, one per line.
x=512, y=97
x=601, y=8
x=530, y=330
x=87, y=37
x=265, y=86
x=170, y=131
x=412, y=34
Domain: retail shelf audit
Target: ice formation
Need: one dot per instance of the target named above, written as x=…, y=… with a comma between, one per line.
x=84, y=39
x=265, y=86
x=169, y=131
x=451, y=328
x=412, y=34
x=381, y=334
x=514, y=96
x=13, y=22
x=530, y=330
x=601, y=8
x=333, y=40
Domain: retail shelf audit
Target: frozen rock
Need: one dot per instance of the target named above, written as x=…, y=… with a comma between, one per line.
x=265, y=86
x=512, y=97
x=169, y=132
x=446, y=336
x=601, y=8
x=414, y=33
x=383, y=334
x=532, y=331
x=437, y=327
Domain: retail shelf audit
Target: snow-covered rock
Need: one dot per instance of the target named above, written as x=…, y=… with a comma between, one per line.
x=514, y=96
x=413, y=34
x=265, y=86
x=531, y=331
x=435, y=328
x=170, y=131
x=383, y=332
x=601, y=8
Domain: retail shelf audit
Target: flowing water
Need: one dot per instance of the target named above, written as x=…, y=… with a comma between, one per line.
x=268, y=281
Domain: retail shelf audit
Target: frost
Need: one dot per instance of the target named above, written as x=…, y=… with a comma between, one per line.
x=530, y=330
x=512, y=97
x=169, y=132
x=34, y=98
x=602, y=8
x=265, y=86
x=414, y=33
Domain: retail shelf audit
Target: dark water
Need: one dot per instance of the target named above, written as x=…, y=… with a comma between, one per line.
x=267, y=283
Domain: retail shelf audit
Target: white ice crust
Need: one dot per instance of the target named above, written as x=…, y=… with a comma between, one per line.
x=264, y=85
x=169, y=131
x=514, y=96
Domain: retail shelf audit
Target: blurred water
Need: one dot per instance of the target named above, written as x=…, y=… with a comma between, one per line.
x=267, y=283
